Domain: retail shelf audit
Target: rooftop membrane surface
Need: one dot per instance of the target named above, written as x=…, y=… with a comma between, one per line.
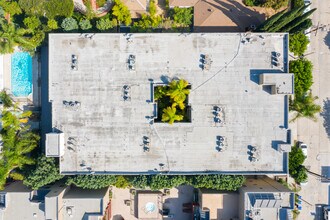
x=104, y=133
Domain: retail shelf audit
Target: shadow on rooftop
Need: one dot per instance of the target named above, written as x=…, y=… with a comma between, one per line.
x=46, y=116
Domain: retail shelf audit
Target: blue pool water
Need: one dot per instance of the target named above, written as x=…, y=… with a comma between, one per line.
x=21, y=74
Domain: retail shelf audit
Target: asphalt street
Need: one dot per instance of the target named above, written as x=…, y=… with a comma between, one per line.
x=317, y=134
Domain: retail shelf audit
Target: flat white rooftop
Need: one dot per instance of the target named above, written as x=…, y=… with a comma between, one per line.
x=104, y=134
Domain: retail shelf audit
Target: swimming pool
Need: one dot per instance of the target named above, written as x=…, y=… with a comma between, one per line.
x=21, y=74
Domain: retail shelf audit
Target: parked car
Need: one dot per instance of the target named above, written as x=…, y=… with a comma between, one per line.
x=303, y=147
x=307, y=2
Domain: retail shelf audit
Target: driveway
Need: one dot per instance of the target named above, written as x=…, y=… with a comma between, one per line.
x=317, y=134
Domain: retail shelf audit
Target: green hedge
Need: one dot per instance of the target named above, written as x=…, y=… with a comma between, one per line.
x=156, y=182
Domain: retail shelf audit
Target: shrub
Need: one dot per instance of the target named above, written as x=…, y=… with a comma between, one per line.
x=296, y=170
x=146, y=23
x=182, y=16
x=85, y=24
x=69, y=24
x=301, y=175
x=48, y=8
x=296, y=159
x=55, y=8
x=52, y=24
x=92, y=181
x=304, y=106
x=275, y=4
x=32, y=22
x=157, y=182
x=45, y=172
x=218, y=182
x=303, y=78
x=298, y=43
x=302, y=26
x=140, y=182
x=297, y=3
x=105, y=24
x=122, y=182
x=160, y=182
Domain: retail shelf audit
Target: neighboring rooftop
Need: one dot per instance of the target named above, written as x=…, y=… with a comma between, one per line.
x=264, y=198
x=223, y=15
x=104, y=134
x=57, y=201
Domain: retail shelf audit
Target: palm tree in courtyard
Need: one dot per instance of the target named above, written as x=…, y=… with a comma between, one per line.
x=304, y=106
x=11, y=36
x=178, y=90
x=169, y=115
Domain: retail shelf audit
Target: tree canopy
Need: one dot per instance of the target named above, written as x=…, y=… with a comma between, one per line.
x=182, y=16
x=10, y=7
x=92, y=181
x=32, y=22
x=105, y=24
x=17, y=142
x=46, y=171
x=304, y=106
x=121, y=12
x=85, y=24
x=298, y=43
x=291, y=21
x=303, y=77
x=69, y=24
x=48, y=8
x=296, y=169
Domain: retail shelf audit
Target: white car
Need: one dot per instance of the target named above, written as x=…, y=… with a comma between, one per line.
x=303, y=147
x=307, y=2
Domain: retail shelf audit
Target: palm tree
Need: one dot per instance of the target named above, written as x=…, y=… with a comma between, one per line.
x=178, y=90
x=6, y=100
x=304, y=106
x=169, y=114
x=17, y=142
x=11, y=36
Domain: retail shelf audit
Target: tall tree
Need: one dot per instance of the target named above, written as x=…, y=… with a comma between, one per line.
x=178, y=90
x=45, y=172
x=304, y=106
x=169, y=115
x=12, y=36
x=121, y=12
x=297, y=21
x=17, y=142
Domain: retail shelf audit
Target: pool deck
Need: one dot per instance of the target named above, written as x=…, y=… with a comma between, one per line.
x=7, y=72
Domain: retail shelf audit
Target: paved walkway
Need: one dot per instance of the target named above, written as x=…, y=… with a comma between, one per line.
x=316, y=134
